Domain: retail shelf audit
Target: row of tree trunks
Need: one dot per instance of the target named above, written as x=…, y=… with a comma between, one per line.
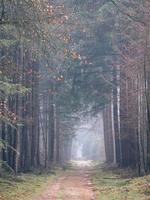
x=128, y=121
x=36, y=141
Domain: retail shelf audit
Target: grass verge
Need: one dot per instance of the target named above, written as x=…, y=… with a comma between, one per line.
x=114, y=185
x=26, y=187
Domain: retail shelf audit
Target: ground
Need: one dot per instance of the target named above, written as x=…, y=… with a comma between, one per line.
x=23, y=187
x=74, y=185
x=120, y=184
x=83, y=181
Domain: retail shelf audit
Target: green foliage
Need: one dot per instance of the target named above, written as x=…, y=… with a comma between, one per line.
x=7, y=43
x=1, y=144
x=6, y=168
x=7, y=88
x=7, y=120
x=5, y=145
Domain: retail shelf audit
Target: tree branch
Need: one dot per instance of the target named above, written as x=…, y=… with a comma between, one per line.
x=133, y=18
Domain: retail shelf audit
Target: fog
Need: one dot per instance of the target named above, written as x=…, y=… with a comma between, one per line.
x=89, y=141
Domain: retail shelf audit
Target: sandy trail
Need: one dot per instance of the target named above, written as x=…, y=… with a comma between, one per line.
x=73, y=185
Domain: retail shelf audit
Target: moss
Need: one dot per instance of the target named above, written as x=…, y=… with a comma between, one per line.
x=23, y=188
x=112, y=186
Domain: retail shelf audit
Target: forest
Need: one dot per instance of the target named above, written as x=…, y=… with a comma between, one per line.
x=64, y=61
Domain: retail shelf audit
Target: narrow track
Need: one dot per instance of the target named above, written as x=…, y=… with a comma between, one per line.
x=73, y=185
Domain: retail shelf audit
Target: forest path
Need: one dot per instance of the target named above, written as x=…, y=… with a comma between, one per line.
x=72, y=185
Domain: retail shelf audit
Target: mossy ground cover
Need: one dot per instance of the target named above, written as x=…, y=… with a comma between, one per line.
x=116, y=185
x=25, y=187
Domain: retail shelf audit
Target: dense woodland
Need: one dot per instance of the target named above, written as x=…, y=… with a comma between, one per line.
x=66, y=59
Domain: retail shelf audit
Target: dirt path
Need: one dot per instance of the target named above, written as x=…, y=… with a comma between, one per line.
x=73, y=185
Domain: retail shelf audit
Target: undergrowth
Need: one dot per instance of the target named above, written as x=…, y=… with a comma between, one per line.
x=25, y=186
x=120, y=185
